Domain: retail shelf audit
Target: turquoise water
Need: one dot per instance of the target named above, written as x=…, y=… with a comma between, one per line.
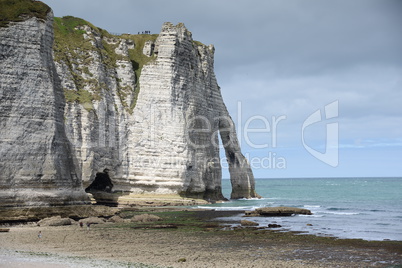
x=366, y=208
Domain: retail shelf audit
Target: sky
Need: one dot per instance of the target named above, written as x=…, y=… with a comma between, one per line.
x=314, y=86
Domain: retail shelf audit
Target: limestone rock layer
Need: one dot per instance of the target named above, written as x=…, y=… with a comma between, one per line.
x=36, y=161
x=146, y=107
x=161, y=135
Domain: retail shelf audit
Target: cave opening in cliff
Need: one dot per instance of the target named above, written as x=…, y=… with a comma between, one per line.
x=101, y=189
x=102, y=182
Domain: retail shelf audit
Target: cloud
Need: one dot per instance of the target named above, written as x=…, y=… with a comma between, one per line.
x=295, y=37
x=287, y=58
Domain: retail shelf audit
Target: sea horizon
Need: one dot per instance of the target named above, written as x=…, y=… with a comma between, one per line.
x=318, y=177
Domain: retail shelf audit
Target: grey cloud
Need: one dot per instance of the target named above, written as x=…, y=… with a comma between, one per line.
x=285, y=57
x=298, y=36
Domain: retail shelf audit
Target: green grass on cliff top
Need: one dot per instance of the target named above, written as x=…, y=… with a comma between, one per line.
x=68, y=39
x=73, y=49
x=137, y=58
x=20, y=10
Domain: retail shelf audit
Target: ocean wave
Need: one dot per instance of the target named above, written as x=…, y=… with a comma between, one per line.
x=311, y=216
x=254, y=199
x=382, y=224
x=311, y=206
x=336, y=209
x=340, y=213
x=226, y=208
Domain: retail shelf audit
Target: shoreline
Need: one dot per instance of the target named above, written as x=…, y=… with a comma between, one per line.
x=196, y=241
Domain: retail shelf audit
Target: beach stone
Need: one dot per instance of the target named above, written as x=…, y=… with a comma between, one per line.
x=248, y=223
x=273, y=225
x=281, y=211
x=54, y=221
x=93, y=220
x=145, y=218
x=116, y=219
x=182, y=260
x=251, y=213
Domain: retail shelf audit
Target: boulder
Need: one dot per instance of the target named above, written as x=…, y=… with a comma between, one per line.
x=248, y=223
x=282, y=211
x=145, y=218
x=55, y=221
x=93, y=220
x=273, y=225
x=251, y=213
x=116, y=219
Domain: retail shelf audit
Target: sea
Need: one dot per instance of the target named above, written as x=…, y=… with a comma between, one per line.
x=361, y=208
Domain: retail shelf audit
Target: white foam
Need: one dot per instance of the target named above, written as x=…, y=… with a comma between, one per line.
x=225, y=208
x=311, y=216
x=340, y=213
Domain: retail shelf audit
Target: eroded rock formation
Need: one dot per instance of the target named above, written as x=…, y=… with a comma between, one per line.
x=146, y=107
x=36, y=161
x=157, y=133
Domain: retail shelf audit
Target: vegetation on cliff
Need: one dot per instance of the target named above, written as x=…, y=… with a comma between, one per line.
x=73, y=48
x=20, y=10
x=138, y=59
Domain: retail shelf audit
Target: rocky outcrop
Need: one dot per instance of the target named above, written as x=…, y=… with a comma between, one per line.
x=54, y=221
x=145, y=218
x=93, y=220
x=37, y=165
x=277, y=211
x=274, y=225
x=116, y=219
x=146, y=107
x=153, y=116
x=178, y=118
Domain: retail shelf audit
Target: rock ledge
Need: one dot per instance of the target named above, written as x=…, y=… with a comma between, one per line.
x=277, y=211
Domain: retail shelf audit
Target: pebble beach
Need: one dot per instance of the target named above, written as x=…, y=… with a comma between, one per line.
x=117, y=245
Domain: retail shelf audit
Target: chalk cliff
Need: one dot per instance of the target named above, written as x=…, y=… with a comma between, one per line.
x=146, y=107
x=36, y=161
x=153, y=115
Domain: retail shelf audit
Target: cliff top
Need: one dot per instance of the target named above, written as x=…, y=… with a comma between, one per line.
x=76, y=39
x=20, y=10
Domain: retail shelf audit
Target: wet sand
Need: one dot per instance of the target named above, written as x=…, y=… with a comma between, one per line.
x=185, y=247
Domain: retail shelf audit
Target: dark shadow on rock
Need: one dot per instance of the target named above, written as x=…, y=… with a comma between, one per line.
x=101, y=190
x=102, y=182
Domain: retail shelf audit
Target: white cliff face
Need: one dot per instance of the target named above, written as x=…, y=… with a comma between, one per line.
x=175, y=135
x=37, y=165
x=177, y=122
x=146, y=107
x=96, y=121
x=167, y=143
